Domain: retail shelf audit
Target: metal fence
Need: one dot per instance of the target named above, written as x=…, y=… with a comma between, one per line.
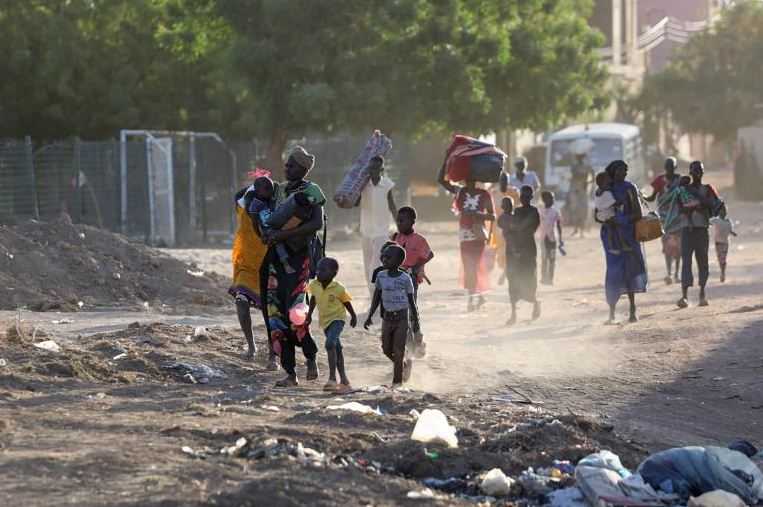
x=165, y=188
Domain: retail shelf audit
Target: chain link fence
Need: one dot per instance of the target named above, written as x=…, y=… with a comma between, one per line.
x=163, y=188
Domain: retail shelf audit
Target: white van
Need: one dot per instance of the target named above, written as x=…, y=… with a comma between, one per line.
x=606, y=142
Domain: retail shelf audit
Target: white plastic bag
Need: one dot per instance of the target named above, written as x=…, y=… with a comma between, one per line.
x=495, y=483
x=432, y=427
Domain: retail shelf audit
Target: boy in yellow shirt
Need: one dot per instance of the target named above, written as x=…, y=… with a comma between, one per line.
x=333, y=302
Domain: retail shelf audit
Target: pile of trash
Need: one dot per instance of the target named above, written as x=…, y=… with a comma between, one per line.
x=68, y=267
x=688, y=476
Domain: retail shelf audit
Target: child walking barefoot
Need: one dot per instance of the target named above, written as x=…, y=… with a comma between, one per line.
x=333, y=303
x=395, y=288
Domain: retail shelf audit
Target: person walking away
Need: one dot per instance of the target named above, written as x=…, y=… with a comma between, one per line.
x=504, y=224
x=667, y=207
x=695, y=240
x=417, y=255
x=550, y=227
x=577, y=197
x=286, y=308
x=523, y=255
x=498, y=191
x=395, y=288
x=523, y=177
x=474, y=207
x=723, y=227
x=333, y=303
x=377, y=206
x=626, y=269
x=247, y=257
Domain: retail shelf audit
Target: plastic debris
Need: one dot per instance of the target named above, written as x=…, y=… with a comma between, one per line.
x=414, y=414
x=197, y=274
x=567, y=497
x=119, y=356
x=450, y=485
x=237, y=449
x=425, y=493
x=201, y=454
x=605, y=459
x=48, y=345
x=307, y=456
x=717, y=498
x=80, y=304
x=199, y=331
x=496, y=483
x=201, y=373
x=432, y=427
x=270, y=408
x=354, y=406
x=3, y=362
x=62, y=321
x=534, y=483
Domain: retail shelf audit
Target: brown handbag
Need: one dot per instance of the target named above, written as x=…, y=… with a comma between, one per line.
x=649, y=227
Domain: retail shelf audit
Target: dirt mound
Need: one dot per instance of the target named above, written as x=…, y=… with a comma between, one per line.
x=58, y=265
x=140, y=353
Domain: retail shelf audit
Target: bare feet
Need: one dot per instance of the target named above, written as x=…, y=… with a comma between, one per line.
x=512, y=320
x=668, y=280
x=536, y=310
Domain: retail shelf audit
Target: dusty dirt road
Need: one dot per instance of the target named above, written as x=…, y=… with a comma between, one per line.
x=83, y=428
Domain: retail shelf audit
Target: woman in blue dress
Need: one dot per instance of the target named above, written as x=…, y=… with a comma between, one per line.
x=626, y=269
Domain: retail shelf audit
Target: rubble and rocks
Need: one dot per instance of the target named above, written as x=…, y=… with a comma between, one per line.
x=62, y=266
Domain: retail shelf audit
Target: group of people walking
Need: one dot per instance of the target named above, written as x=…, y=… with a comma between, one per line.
x=280, y=265
x=687, y=207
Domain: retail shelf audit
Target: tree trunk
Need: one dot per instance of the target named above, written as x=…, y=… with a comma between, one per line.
x=274, y=158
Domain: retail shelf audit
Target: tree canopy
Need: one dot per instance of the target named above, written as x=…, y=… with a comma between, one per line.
x=712, y=86
x=284, y=68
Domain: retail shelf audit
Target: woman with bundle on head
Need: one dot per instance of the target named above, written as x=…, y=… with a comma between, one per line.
x=626, y=270
x=475, y=208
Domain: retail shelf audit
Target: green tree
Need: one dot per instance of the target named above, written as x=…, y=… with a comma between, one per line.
x=92, y=67
x=409, y=66
x=712, y=85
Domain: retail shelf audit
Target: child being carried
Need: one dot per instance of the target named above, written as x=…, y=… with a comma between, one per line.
x=606, y=209
x=289, y=214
